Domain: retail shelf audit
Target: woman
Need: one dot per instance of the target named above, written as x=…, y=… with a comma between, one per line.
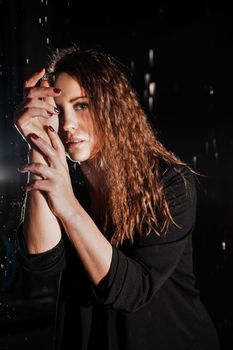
x=118, y=225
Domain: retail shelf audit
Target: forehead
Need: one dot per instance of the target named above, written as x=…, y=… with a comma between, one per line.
x=68, y=85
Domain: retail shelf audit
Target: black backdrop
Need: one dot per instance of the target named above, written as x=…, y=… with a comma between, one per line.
x=180, y=58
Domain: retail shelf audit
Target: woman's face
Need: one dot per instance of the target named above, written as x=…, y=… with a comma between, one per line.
x=76, y=127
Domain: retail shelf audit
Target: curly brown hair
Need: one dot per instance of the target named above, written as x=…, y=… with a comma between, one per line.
x=130, y=152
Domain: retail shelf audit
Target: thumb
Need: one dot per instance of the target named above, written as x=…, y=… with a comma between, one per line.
x=45, y=83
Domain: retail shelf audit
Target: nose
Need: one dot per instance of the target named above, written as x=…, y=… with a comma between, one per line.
x=69, y=120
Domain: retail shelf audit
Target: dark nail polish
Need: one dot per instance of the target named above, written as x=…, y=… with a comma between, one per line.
x=34, y=136
x=51, y=128
x=49, y=113
x=56, y=110
x=57, y=91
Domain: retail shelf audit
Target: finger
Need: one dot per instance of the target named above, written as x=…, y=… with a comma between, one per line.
x=34, y=78
x=55, y=139
x=37, y=112
x=38, y=185
x=37, y=103
x=50, y=100
x=46, y=149
x=57, y=144
x=39, y=169
x=42, y=92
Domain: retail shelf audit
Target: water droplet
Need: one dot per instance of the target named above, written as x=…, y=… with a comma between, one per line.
x=195, y=161
x=147, y=79
x=132, y=66
x=224, y=245
x=151, y=57
x=214, y=144
x=150, y=103
x=211, y=89
x=145, y=93
x=152, y=87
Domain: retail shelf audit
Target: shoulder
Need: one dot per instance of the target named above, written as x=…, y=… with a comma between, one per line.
x=178, y=178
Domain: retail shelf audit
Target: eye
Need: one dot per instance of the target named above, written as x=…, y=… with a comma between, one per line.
x=80, y=106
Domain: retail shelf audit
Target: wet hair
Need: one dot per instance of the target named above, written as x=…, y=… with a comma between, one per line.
x=130, y=154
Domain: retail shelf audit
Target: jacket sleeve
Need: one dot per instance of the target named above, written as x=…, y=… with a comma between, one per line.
x=139, y=272
x=46, y=264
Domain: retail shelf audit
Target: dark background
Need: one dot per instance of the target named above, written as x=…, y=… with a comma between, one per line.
x=192, y=67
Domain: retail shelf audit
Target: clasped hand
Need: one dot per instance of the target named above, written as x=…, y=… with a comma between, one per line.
x=55, y=178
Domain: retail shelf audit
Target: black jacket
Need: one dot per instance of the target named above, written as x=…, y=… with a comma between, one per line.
x=148, y=300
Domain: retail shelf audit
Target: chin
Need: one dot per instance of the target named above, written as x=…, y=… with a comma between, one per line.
x=77, y=157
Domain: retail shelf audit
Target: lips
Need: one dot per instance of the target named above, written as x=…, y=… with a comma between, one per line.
x=77, y=140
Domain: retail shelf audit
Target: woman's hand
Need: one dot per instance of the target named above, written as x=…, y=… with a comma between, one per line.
x=38, y=109
x=56, y=182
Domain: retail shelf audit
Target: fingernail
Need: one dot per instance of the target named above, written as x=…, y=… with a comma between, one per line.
x=20, y=169
x=49, y=113
x=51, y=128
x=56, y=110
x=40, y=70
x=34, y=136
x=56, y=90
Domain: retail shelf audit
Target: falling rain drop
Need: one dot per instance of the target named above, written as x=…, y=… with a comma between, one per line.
x=207, y=147
x=47, y=40
x=27, y=60
x=224, y=245
x=46, y=19
x=194, y=161
x=145, y=93
x=216, y=156
x=147, y=79
x=132, y=66
x=152, y=87
x=40, y=20
x=151, y=57
x=214, y=144
x=211, y=90
x=150, y=103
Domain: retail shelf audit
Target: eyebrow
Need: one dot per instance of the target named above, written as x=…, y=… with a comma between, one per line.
x=76, y=98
